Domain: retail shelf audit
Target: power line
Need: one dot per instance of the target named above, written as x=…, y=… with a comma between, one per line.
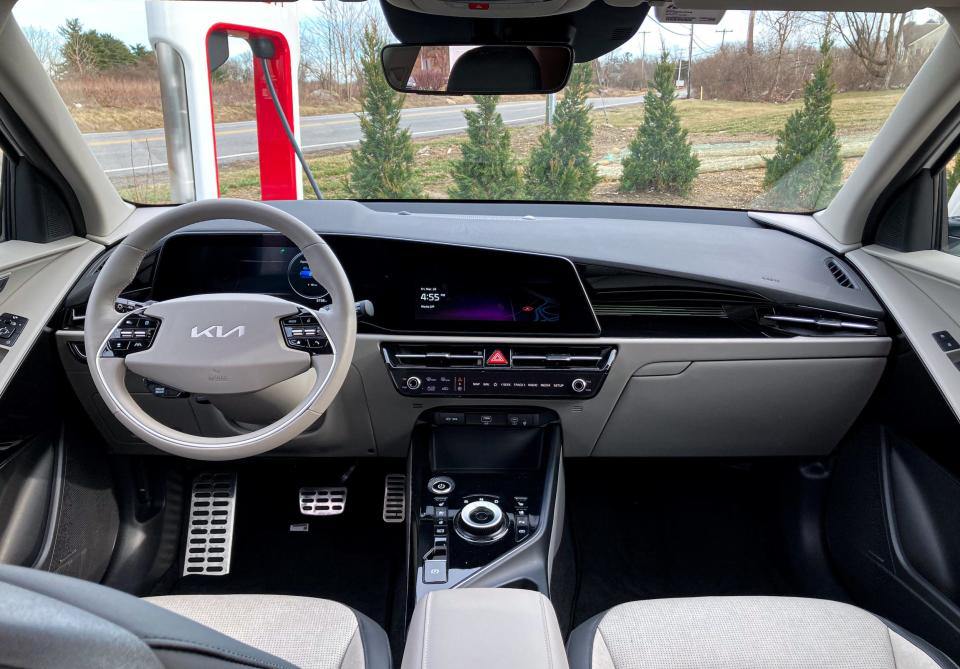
x=723, y=36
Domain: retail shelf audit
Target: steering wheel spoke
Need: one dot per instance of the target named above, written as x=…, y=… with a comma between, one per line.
x=134, y=333
x=304, y=331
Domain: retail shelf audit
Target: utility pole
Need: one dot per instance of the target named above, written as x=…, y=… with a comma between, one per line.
x=690, y=65
x=750, y=28
x=643, y=59
x=723, y=37
x=551, y=106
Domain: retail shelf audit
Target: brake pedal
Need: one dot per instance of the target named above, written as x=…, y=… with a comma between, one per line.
x=323, y=501
x=210, y=535
x=394, y=498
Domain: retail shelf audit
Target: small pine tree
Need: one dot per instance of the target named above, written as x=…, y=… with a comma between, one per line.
x=381, y=167
x=560, y=166
x=805, y=172
x=487, y=170
x=660, y=157
x=953, y=176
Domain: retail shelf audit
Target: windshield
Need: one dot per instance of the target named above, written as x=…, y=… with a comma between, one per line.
x=764, y=110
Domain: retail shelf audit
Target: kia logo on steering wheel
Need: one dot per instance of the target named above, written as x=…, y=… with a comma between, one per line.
x=216, y=332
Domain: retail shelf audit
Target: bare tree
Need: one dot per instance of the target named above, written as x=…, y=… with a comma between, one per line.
x=875, y=39
x=330, y=45
x=780, y=27
x=47, y=47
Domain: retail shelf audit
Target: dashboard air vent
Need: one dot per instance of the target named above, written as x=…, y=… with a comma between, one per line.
x=808, y=322
x=418, y=355
x=669, y=301
x=561, y=357
x=839, y=274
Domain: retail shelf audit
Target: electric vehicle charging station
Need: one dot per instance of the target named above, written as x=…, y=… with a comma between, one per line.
x=190, y=40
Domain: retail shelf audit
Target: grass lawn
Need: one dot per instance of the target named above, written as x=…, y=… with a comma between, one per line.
x=732, y=138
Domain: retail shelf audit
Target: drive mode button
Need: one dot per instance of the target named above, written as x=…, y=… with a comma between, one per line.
x=444, y=418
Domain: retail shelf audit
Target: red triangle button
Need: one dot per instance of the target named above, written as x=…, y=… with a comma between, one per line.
x=497, y=358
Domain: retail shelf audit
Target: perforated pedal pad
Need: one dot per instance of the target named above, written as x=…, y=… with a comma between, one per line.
x=394, y=498
x=210, y=533
x=320, y=501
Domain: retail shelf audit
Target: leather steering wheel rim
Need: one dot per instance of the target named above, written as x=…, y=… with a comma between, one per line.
x=194, y=335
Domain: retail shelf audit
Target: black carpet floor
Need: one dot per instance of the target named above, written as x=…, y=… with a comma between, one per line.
x=654, y=529
x=354, y=558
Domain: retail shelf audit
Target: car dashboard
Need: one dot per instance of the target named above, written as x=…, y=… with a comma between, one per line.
x=686, y=335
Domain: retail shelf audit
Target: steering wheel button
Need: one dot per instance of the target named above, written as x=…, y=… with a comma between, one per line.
x=119, y=345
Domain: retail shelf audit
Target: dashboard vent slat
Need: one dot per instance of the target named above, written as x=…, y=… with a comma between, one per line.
x=669, y=301
x=839, y=274
x=805, y=321
x=414, y=356
x=559, y=357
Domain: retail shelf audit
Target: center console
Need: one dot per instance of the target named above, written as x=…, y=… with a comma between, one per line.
x=484, y=490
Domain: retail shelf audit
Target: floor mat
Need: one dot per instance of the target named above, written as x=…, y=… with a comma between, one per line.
x=654, y=529
x=354, y=558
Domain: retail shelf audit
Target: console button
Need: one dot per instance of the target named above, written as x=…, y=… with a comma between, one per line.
x=445, y=418
x=440, y=485
x=434, y=571
x=523, y=419
x=946, y=341
x=486, y=419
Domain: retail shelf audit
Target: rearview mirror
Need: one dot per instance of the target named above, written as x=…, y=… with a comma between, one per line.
x=469, y=69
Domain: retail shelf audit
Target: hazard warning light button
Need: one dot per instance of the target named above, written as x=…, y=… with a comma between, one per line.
x=497, y=359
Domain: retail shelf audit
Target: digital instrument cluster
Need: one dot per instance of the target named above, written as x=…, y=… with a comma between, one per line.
x=415, y=287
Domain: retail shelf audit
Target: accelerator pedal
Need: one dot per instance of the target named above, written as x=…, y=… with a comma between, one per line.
x=213, y=502
x=319, y=501
x=394, y=498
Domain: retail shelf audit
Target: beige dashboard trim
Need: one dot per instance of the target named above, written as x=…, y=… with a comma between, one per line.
x=906, y=283
x=38, y=283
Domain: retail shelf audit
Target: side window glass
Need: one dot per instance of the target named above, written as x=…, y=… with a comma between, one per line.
x=953, y=207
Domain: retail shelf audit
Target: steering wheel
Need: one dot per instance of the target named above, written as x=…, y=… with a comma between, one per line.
x=219, y=344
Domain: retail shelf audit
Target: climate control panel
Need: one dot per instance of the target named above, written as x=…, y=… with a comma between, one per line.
x=498, y=371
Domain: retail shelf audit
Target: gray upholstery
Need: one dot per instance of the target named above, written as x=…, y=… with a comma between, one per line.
x=484, y=628
x=64, y=629
x=745, y=633
x=309, y=633
x=102, y=627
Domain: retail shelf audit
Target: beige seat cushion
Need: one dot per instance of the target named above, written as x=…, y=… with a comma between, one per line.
x=746, y=633
x=310, y=633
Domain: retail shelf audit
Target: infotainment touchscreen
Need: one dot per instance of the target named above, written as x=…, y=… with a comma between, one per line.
x=415, y=287
x=465, y=302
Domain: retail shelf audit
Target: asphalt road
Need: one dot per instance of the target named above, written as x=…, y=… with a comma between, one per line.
x=124, y=154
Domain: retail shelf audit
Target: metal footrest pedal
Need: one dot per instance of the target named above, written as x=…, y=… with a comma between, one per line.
x=394, y=498
x=213, y=501
x=323, y=501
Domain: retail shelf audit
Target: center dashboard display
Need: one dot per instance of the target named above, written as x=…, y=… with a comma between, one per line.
x=446, y=302
x=415, y=287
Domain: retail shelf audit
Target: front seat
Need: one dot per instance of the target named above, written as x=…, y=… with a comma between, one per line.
x=746, y=633
x=48, y=620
